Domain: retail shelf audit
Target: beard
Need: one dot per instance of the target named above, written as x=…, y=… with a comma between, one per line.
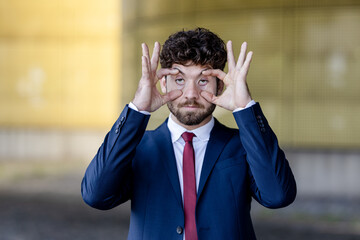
x=191, y=118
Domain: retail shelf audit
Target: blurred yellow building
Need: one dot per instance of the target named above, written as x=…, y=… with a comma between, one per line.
x=59, y=63
x=305, y=69
x=68, y=67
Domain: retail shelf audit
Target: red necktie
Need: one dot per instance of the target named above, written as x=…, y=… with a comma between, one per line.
x=189, y=187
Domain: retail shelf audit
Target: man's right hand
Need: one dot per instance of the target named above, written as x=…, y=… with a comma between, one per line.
x=147, y=97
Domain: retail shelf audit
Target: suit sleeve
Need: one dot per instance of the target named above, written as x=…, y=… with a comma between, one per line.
x=271, y=180
x=107, y=181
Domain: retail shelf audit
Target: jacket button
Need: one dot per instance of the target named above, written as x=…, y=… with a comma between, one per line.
x=179, y=230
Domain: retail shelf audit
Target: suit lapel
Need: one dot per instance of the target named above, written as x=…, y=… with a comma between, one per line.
x=218, y=138
x=163, y=141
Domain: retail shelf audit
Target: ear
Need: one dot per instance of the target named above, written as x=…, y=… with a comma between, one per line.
x=220, y=86
x=163, y=84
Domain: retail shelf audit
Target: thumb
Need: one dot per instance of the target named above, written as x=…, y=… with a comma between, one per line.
x=172, y=95
x=211, y=98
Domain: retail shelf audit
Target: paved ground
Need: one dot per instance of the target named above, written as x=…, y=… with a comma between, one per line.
x=48, y=206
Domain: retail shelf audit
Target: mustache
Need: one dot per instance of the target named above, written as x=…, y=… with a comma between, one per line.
x=191, y=103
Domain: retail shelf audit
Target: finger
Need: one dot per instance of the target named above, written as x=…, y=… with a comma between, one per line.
x=242, y=55
x=215, y=73
x=246, y=66
x=249, y=57
x=211, y=98
x=155, y=56
x=166, y=71
x=145, y=50
x=170, y=96
x=230, y=56
x=145, y=67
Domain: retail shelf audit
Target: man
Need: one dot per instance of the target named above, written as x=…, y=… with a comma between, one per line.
x=191, y=178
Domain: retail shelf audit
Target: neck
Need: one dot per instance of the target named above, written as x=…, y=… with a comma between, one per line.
x=191, y=127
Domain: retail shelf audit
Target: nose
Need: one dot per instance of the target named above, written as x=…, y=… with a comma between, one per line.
x=191, y=91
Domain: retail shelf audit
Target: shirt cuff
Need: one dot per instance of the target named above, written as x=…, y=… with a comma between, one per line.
x=133, y=107
x=251, y=103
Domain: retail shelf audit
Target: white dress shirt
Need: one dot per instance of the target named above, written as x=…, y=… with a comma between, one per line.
x=200, y=140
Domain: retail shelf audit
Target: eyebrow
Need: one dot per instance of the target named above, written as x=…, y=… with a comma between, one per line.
x=185, y=74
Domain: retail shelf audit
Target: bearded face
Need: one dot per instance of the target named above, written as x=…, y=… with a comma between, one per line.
x=191, y=118
x=190, y=109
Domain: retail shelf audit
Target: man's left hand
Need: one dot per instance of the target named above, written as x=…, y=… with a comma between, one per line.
x=236, y=94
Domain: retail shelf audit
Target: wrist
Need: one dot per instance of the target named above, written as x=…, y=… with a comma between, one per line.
x=250, y=104
x=139, y=105
x=134, y=107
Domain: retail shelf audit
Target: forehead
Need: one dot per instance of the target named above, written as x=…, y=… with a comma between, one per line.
x=190, y=69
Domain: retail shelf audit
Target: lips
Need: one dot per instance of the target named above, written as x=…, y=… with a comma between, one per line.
x=190, y=105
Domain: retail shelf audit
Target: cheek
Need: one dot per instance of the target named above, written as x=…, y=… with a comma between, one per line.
x=209, y=88
x=179, y=87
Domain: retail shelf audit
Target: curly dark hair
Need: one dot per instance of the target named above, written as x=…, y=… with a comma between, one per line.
x=199, y=46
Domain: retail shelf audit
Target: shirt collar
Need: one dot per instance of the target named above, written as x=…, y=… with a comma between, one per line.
x=202, y=133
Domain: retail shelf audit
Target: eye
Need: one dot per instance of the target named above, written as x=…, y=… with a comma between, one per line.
x=203, y=82
x=180, y=81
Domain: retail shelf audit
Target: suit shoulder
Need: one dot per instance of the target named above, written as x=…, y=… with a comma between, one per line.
x=226, y=129
x=160, y=132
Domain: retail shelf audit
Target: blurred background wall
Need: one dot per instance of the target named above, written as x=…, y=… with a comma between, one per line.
x=304, y=70
x=305, y=73
x=68, y=67
x=59, y=76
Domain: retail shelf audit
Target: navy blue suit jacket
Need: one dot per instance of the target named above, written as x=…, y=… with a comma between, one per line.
x=140, y=165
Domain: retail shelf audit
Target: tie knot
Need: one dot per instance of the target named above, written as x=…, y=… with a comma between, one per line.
x=187, y=136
